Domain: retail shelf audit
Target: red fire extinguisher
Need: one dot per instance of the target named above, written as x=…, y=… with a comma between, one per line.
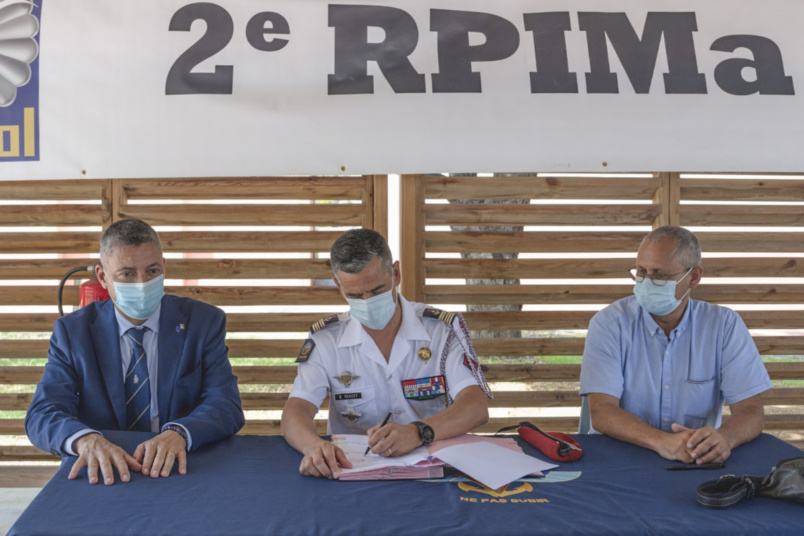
x=89, y=291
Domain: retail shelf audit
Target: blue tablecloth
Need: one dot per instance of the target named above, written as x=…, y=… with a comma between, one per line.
x=251, y=485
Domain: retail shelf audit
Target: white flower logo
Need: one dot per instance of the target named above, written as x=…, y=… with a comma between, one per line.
x=18, y=48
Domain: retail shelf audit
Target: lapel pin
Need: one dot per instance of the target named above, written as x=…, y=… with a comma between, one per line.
x=179, y=328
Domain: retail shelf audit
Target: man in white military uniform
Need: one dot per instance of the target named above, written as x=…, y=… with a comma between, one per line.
x=386, y=358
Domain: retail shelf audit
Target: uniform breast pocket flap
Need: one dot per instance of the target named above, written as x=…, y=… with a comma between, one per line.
x=355, y=404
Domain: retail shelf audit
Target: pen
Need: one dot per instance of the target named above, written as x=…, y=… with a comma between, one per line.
x=693, y=466
x=383, y=424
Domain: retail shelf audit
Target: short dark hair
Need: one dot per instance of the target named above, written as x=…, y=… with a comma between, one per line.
x=128, y=232
x=356, y=248
x=688, y=249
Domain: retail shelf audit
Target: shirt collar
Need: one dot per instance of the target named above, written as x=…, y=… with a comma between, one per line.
x=410, y=329
x=685, y=318
x=123, y=324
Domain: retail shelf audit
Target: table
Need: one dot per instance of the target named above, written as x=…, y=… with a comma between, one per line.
x=251, y=485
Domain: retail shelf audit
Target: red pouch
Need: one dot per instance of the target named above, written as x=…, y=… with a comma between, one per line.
x=555, y=445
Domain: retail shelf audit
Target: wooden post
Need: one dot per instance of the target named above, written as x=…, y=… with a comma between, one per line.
x=669, y=196
x=379, y=207
x=118, y=199
x=412, y=237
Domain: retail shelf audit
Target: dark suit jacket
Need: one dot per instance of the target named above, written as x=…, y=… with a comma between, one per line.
x=82, y=386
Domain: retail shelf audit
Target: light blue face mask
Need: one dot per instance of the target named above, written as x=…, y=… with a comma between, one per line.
x=659, y=301
x=374, y=313
x=139, y=300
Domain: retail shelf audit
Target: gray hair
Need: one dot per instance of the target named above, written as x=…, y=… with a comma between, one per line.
x=688, y=250
x=356, y=248
x=124, y=233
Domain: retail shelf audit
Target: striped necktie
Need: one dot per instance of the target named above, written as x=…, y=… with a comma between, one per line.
x=138, y=388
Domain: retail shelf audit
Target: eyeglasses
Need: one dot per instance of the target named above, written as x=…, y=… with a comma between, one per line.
x=659, y=280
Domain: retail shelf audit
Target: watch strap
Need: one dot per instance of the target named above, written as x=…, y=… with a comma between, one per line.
x=421, y=426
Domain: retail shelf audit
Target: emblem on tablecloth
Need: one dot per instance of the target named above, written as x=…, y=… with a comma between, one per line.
x=346, y=378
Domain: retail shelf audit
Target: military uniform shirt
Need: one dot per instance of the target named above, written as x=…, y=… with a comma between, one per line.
x=369, y=387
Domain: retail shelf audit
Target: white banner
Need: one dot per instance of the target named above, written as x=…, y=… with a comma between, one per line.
x=174, y=88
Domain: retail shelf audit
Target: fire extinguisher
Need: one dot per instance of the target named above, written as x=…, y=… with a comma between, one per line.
x=89, y=291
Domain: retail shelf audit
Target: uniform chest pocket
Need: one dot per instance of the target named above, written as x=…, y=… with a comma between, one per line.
x=699, y=400
x=425, y=396
x=355, y=404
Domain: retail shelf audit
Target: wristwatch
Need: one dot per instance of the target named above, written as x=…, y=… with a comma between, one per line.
x=426, y=433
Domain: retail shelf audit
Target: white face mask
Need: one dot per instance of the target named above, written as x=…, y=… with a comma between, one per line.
x=139, y=300
x=376, y=312
x=659, y=301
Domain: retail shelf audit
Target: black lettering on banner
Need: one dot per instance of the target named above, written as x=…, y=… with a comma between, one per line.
x=220, y=28
x=256, y=31
x=767, y=63
x=552, y=62
x=455, y=54
x=353, y=50
x=638, y=56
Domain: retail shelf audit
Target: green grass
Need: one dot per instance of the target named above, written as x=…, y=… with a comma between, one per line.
x=24, y=335
x=261, y=361
x=785, y=359
x=32, y=362
x=561, y=359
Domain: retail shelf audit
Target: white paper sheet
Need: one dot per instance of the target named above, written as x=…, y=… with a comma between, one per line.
x=354, y=446
x=491, y=465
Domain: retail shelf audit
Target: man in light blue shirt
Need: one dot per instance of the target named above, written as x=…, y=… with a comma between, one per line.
x=657, y=366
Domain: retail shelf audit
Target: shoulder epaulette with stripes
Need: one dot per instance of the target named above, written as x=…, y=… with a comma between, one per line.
x=324, y=322
x=444, y=316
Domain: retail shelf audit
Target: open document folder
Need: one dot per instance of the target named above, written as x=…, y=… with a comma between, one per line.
x=416, y=464
x=492, y=461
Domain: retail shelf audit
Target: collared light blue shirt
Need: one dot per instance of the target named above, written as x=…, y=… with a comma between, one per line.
x=151, y=343
x=709, y=358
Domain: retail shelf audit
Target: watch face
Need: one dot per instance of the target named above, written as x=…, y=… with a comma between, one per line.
x=427, y=434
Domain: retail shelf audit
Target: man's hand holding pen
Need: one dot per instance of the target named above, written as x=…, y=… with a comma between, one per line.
x=393, y=439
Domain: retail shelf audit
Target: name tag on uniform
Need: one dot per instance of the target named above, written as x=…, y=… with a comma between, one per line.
x=424, y=388
x=348, y=396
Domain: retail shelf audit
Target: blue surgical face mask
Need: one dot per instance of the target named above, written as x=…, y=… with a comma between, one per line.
x=374, y=313
x=139, y=300
x=659, y=301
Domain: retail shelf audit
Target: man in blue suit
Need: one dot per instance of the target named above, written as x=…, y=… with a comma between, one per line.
x=140, y=361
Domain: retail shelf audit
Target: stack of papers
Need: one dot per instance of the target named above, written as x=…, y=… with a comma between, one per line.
x=492, y=461
x=416, y=464
x=492, y=465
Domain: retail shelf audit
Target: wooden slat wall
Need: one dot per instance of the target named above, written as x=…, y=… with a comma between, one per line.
x=575, y=255
x=214, y=232
x=584, y=244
